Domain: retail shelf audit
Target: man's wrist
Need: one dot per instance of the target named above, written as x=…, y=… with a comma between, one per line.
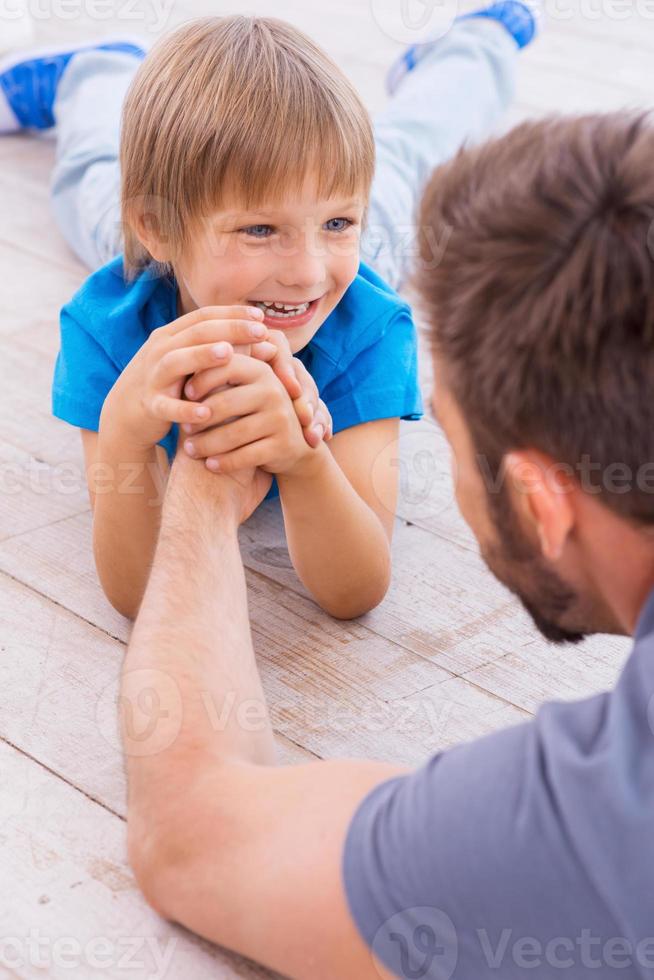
x=209, y=498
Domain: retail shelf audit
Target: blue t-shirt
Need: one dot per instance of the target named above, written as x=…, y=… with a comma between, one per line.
x=526, y=853
x=363, y=358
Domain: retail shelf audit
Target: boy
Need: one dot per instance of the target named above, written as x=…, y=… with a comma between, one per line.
x=247, y=161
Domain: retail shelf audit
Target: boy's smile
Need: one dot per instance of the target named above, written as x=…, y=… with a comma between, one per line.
x=281, y=315
x=295, y=261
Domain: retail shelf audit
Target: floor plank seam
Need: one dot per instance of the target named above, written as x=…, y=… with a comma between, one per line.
x=474, y=684
x=60, y=776
x=41, y=527
x=56, y=602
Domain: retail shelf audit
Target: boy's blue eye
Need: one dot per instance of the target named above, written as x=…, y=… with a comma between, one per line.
x=257, y=231
x=337, y=224
x=264, y=231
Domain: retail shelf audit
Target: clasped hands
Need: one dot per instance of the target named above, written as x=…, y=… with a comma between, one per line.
x=266, y=410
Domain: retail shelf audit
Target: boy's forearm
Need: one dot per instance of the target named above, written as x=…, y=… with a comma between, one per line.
x=338, y=545
x=129, y=488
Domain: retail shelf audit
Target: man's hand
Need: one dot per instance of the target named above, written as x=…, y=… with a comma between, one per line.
x=237, y=495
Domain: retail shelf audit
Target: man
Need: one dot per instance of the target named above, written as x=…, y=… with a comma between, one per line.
x=528, y=852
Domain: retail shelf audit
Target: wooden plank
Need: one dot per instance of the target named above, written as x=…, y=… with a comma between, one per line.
x=33, y=493
x=32, y=298
x=540, y=672
x=28, y=157
x=34, y=229
x=446, y=606
x=26, y=420
x=312, y=666
x=71, y=905
x=58, y=691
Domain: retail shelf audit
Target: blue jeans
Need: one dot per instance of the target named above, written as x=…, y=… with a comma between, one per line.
x=455, y=95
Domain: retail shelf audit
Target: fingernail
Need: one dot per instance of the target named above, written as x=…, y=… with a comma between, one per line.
x=189, y=447
x=213, y=464
x=258, y=330
x=265, y=348
x=220, y=350
x=190, y=390
x=187, y=426
x=201, y=412
x=319, y=430
x=255, y=311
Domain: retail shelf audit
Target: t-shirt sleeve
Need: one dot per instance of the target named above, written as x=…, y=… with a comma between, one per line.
x=473, y=864
x=84, y=373
x=381, y=381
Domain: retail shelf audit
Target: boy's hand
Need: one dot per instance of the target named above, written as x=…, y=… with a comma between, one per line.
x=147, y=396
x=314, y=416
x=265, y=430
x=311, y=411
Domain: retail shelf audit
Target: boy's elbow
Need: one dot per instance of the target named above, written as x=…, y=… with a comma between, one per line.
x=124, y=601
x=359, y=603
x=123, y=605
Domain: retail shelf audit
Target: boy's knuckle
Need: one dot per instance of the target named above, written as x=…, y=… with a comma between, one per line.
x=157, y=405
x=196, y=334
x=227, y=406
x=279, y=416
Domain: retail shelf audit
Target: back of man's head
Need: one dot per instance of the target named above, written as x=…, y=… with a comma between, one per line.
x=542, y=303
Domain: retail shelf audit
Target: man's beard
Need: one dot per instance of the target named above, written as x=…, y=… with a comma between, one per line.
x=515, y=561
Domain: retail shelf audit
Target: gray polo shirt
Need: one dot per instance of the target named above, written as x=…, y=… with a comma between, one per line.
x=528, y=853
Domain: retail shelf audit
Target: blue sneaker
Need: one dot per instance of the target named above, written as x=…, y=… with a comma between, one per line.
x=521, y=18
x=29, y=80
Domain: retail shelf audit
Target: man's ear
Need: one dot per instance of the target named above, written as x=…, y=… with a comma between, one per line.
x=542, y=494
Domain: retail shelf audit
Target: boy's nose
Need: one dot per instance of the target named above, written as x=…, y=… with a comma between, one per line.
x=302, y=271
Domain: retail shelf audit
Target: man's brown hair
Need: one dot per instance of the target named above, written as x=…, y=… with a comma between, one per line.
x=542, y=304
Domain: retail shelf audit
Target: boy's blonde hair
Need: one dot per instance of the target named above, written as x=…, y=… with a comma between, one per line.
x=234, y=111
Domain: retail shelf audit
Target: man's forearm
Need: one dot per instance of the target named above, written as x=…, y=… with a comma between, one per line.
x=338, y=545
x=245, y=853
x=190, y=676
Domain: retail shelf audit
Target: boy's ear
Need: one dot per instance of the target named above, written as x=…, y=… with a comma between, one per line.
x=146, y=227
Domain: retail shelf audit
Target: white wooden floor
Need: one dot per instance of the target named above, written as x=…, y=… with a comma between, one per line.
x=447, y=657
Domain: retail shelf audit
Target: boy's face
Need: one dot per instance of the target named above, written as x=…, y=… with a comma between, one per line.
x=302, y=252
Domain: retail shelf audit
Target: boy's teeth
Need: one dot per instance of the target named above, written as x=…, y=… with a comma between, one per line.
x=283, y=309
